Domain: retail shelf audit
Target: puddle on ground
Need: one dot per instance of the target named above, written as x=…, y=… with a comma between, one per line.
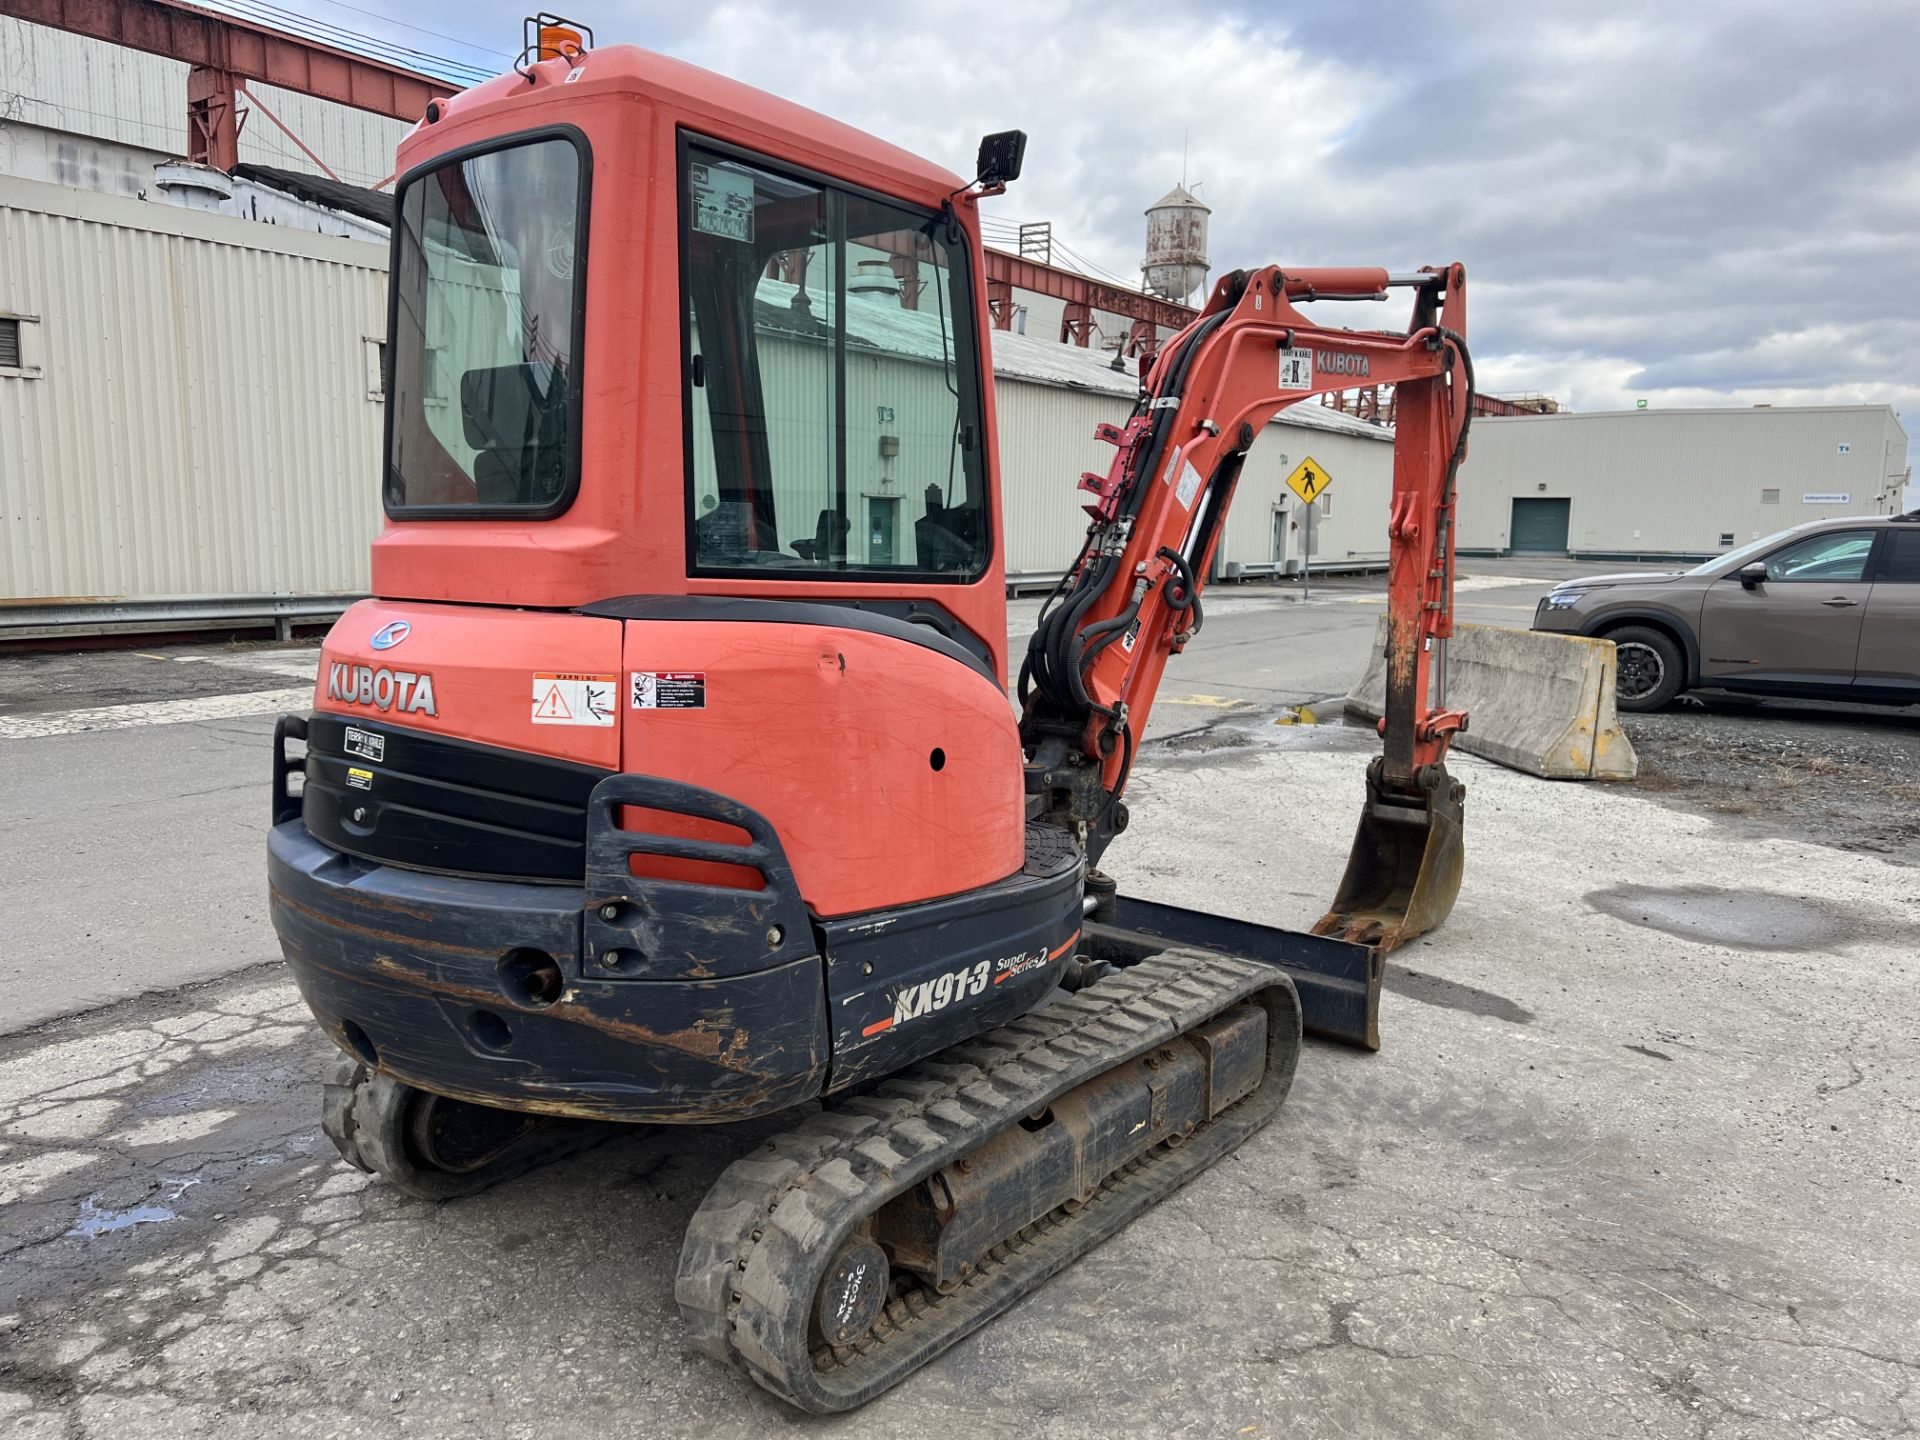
x=1748, y=919
x=95, y=1221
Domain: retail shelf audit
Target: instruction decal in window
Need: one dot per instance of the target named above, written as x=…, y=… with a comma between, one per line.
x=669, y=689
x=722, y=202
x=575, y=700
x=1296, y=369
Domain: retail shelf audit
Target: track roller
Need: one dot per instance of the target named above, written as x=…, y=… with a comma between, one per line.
x=434, y=1148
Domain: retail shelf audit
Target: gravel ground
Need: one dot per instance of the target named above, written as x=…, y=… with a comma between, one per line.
x=1840, y=775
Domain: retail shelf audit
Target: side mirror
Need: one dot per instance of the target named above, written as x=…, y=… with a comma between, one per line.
x=1752, y=575
x=1001, y=156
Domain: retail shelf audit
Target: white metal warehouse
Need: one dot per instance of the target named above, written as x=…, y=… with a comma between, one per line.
x=1654, y=484
x=196, y=414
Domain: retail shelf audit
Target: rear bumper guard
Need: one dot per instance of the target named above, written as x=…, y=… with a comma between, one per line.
x=621, y=999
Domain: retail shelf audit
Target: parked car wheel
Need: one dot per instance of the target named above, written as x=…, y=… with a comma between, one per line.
x=1649, y=669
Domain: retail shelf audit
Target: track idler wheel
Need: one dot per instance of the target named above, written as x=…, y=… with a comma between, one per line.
x=1403, y=873
x=434, y=1148
x=852, y=1293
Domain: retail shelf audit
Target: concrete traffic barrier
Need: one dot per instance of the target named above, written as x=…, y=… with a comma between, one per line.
x=1538, y=702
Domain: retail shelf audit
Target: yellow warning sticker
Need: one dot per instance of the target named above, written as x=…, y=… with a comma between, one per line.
x=360, y=779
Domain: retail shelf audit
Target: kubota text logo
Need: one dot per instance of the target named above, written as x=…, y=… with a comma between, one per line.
x=1339, y=362
x=385, y=689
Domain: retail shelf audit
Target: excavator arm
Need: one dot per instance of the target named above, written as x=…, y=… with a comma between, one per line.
x=1132, y=599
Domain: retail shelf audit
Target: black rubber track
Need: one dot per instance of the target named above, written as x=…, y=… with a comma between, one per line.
x=758, y=1246
x=366, y=1115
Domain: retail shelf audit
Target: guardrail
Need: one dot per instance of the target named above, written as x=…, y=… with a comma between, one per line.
x=81, y=616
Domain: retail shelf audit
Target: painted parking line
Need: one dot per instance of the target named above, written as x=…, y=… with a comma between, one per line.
x=1207, y=702
x=155, y=712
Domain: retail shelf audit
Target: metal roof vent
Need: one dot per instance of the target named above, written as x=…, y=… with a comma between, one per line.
x=874, y=277
x=195, y=187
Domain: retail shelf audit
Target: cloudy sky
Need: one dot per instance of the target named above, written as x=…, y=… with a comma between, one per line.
x=1713, y=202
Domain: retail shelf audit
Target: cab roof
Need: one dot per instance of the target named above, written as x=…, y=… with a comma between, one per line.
x=700, y=98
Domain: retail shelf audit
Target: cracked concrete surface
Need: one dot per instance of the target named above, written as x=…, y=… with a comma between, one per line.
x=1602, y=1180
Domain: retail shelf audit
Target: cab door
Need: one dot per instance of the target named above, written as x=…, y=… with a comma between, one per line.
x=1890, y=632
x=1801, y=625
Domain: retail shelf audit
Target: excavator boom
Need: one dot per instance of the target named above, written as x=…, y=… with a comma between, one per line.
x=1132, y=599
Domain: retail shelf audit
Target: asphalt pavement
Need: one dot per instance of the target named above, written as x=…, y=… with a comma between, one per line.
x=1638, y=1156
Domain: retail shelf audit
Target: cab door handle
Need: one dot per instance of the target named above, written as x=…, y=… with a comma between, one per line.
x=1840, y=602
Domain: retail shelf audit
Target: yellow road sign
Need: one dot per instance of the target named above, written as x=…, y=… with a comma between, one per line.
x=1308, y=480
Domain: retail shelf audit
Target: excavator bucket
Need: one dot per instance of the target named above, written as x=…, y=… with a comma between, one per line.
x=1403, y=873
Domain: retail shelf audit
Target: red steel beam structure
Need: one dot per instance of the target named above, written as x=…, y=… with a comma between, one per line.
x=226, y=52
x=1082, y=295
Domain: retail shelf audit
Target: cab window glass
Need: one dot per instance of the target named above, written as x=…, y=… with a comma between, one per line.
x=485, y=387
x=1902, y=566
x=1835, y=557
x=833, y=391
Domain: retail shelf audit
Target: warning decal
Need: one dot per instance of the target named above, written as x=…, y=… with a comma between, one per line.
x=1189, y=484
x=669, y=689
x=575, y=700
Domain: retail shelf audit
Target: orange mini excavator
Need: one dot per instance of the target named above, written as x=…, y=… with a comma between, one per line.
x=672, y=777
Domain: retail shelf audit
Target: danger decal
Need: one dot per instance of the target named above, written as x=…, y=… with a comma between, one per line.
x=563, y=699
x=402, y=691
x=669, y=689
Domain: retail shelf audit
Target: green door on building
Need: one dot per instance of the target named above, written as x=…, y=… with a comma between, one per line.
x=1539, y=527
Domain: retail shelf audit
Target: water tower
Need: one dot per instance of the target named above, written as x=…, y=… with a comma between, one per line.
x=1176, y=263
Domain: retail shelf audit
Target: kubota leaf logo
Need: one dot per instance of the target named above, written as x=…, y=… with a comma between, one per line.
x=391, y=634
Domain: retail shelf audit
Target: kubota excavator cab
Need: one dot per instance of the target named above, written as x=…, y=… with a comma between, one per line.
x=688, y=660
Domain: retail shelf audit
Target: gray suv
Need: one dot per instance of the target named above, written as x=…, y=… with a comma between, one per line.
x=1827, y=610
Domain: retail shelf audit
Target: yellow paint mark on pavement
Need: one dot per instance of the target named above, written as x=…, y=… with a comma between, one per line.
x=1209, y=702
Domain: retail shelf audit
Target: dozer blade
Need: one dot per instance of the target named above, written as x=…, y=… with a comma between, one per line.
x=1403, y=873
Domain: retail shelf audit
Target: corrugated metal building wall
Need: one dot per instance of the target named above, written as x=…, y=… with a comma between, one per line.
x=1050, y=397
x=200, y=421
x=201, y=417
x=1678, y=482
x=87, y=87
